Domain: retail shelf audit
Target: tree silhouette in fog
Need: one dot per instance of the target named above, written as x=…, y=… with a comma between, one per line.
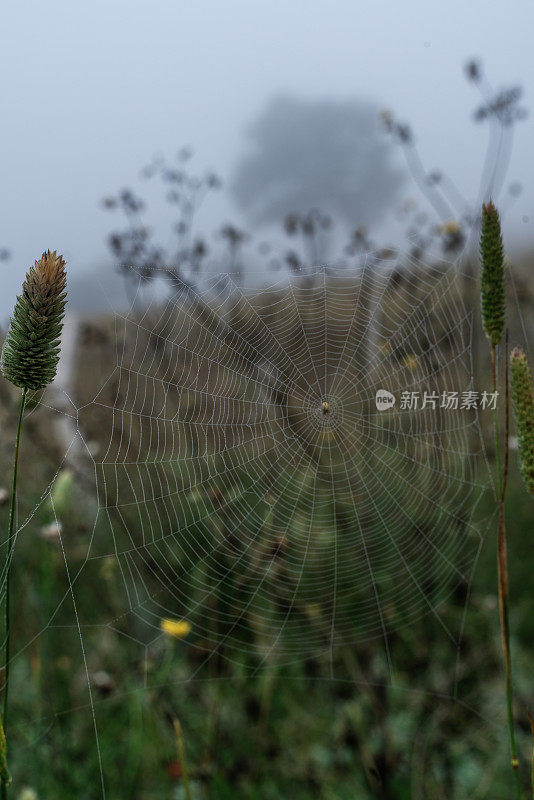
x=317, y=154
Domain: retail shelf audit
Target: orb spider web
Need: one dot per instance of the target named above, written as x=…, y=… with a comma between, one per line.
x=249, y=483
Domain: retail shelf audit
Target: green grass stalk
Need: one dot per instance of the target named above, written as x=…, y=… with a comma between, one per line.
x=9, y=556
x=29, y=359
x=181, y=756
x=531, y=721
x=496, y=416
x=502, y=572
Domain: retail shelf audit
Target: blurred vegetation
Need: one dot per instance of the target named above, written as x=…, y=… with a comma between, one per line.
x=296, y=719
x=97, y=688
x=303, y=151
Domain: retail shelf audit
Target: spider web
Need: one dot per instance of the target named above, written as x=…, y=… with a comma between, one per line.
x=246, y=482
x=250, y=485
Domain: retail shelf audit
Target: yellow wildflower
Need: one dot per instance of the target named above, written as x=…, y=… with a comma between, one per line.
x=313, y=610
x=63, y=662
x=410, y=362
x=176, y=628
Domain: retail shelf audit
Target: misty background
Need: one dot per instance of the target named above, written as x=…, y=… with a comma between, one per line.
x=97, y=91
x=222, y=462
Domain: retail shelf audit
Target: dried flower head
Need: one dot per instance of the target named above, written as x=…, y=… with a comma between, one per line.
x=449, y=227
x=31, y=349
x=492, y=297
x=523, y=400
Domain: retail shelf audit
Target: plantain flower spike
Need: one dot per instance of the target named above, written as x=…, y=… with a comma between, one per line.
x=523, y=400
x=31, y=350
x=492, y=296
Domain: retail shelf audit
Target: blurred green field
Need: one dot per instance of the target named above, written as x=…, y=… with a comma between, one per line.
x=296, y=719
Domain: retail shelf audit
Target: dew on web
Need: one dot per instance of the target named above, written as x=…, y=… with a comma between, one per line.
x=250, y=479
x=250, y=484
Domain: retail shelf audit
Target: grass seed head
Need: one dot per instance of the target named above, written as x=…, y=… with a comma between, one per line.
x=492, y=297
x=31, y=349
x=523, y=400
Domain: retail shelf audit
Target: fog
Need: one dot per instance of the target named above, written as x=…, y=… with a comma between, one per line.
x=91, y=91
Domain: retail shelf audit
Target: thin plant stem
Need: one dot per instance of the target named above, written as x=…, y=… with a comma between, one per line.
x=495, y=416
x=8, y=571
x=502, y=571
x=531, y=721
x=181, y=755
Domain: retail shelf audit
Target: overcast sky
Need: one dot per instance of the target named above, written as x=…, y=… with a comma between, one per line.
x=91, y=90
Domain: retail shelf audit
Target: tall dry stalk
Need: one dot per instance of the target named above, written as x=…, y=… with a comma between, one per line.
x=523, y=401
x=29, y=360
x=493, y=307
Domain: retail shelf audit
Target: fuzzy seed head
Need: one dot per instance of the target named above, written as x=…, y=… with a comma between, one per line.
x=31, y=349
x=492, y=297
x=523, y=400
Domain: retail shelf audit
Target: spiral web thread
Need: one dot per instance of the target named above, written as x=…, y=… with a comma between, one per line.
x=247, y=483
x=225, y=462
